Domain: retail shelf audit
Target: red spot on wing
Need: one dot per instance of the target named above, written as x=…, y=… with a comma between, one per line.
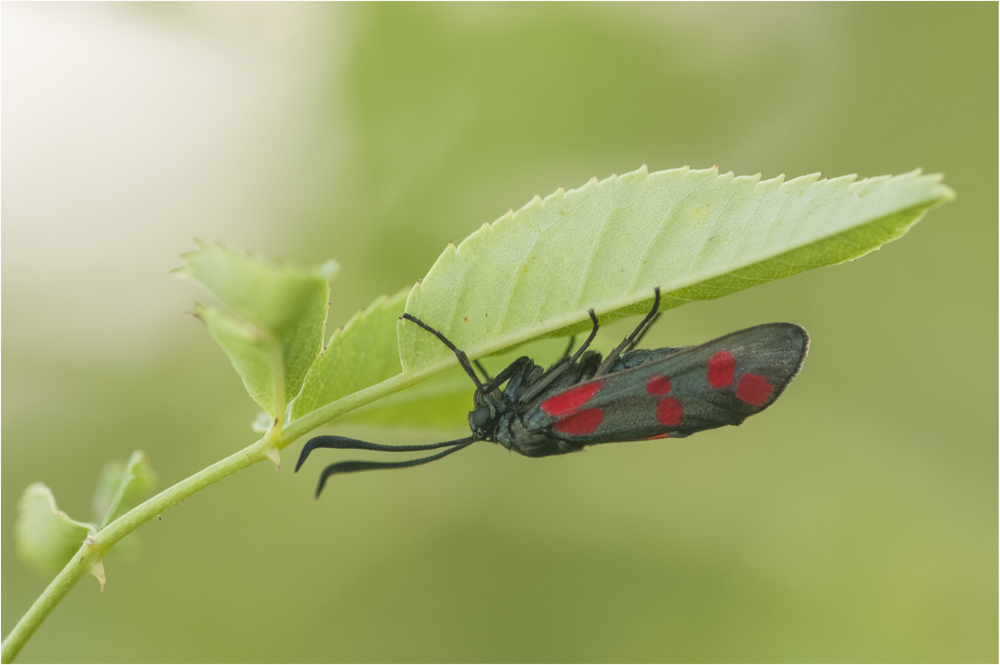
x=569, y=401
x=754, y=389
x=658, y=436
x=580, y=423
x=720, y=369
x=669, y=412
x=658, y=385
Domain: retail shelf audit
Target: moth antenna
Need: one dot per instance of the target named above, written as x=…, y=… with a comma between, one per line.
x=344, y=443
x=352, y=465
x=463, y=359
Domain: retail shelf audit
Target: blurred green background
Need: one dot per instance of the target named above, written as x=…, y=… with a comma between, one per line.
x=855, y=521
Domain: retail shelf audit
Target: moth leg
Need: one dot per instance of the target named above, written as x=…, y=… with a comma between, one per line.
x=613, y=356
x=482, y=369
x=590, y=337
x=569, y=348
x=509, y=371
x=561, y=366
x=344, y=443
x=645, y=330
x=463, y=359
x=352, y=465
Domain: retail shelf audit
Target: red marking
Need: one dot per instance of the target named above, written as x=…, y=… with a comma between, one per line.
x=669, y=412
x=566, y=403
x=580, y=423
x=658, y=436
x=754, y=389
x=720, y=369
x=658, y=385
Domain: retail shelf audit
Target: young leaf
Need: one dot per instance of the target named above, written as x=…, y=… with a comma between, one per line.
x=120, y=487
x=106, y=489
x=283, y=312
x=255, y=356
x=360, y=354
x=47, y=538
x=695, y=234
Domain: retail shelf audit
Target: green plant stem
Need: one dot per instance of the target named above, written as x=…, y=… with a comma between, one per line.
x=95, y=548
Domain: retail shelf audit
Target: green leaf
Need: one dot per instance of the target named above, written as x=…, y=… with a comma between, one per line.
x=360, y=354
x=695, y=234
x=254, y=355
x=47, y=538
x=282, y=313
x=121, y=486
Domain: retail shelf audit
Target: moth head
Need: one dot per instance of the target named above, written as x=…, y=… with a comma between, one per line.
x=481, y=419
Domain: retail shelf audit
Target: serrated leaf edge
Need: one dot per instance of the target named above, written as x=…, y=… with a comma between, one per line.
x=571, y=321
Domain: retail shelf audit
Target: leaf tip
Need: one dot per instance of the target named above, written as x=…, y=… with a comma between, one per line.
x=197, y=311
x=329, y=269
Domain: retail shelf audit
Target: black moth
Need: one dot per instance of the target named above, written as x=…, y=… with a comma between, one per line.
x=631, y=395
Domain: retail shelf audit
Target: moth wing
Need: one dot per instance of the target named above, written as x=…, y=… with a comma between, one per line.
x=721, y=382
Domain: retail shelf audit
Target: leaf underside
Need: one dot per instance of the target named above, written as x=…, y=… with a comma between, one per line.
x=535, y=274
x=696, y=234
x=443, y=402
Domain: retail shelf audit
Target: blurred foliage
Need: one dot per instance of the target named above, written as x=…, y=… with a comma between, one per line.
x=855, y=521
x=121, y=486
x=47, y=538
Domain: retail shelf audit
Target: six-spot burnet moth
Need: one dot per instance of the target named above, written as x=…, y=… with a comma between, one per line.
x=631, y=395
